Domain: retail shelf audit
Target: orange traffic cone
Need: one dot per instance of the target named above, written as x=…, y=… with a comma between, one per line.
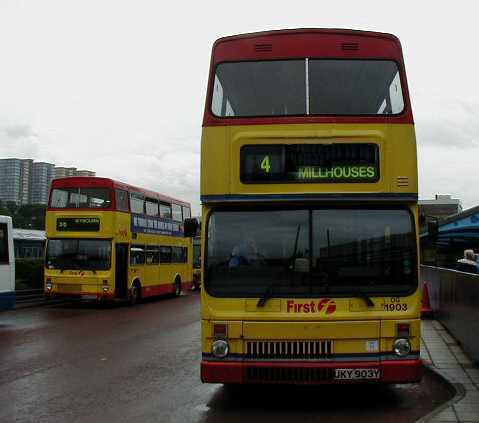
x=426, y=309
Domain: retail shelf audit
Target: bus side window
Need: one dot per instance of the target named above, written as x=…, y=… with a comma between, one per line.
x=151, y=207
x=165, y=254
x=165, y=210
x=179, y=255
x=137, y=203
x=186, y=213
x=121, y=198
x=137, y=255
x=152, y=255
x=177, y=214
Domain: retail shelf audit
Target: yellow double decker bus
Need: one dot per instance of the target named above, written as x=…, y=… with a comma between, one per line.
x=309, y=196
x=110, y=240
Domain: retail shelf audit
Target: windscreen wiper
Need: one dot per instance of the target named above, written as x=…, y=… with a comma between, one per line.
x=267, y=294
x=365, y=297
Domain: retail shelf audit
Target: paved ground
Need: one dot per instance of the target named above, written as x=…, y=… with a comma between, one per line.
x=141, y=364
x=441, y=351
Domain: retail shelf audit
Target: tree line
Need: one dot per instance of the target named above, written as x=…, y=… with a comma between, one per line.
x=25, y=216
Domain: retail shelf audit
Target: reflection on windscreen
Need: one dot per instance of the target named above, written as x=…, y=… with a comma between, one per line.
x=251, y=251
x=92, y=254
x=80, y=198
x=307, y=87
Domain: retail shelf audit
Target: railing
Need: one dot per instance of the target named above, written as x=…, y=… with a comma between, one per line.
x=454, y=298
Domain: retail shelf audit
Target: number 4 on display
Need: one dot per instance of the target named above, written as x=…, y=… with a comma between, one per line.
x=265, y=164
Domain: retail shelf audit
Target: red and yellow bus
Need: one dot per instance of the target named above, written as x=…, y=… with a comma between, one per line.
x=110, y=240
x=309, y=196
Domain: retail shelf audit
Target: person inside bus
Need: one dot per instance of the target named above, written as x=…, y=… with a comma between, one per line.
x=468, y=263
x=244, y=253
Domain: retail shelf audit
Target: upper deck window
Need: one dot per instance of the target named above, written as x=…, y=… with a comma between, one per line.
x=122, y=200
x=137, y=204
x=81, y=198
x=307, y=87
x=177, y=215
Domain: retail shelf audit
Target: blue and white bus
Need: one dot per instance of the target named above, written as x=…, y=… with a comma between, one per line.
x=7, y=264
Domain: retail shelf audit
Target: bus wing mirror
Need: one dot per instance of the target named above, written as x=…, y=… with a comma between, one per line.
x=190, y=227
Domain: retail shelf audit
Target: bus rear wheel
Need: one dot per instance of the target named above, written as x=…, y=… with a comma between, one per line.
x=135, y=293
x=177, y=287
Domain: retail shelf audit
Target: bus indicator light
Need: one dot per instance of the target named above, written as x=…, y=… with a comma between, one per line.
x=220, y=330
x=403, y=330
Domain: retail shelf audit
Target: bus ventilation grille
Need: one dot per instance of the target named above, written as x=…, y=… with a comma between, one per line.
x=293, y=350
x=263, y=47
x=402, y=181
x=350, y=46
x=287, y=374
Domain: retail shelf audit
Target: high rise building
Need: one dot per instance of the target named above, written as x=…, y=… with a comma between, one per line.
x=42, y=176
x=15, y=180
x=62, y=172
x=85, y=173
x=24, y=181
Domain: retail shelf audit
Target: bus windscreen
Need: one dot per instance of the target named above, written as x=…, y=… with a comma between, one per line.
x=81, y=254
x=311, y=252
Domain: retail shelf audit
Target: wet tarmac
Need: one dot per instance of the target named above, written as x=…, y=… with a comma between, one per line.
x=82, y=363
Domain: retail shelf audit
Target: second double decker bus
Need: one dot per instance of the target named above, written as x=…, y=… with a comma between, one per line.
x=309, y=193
x=110, y=240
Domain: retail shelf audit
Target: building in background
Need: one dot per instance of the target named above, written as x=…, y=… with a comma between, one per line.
x=85, y=173
x=62, y=172
x=442, y=207
x=23, y=181
x=15, y=180
x=42, y=175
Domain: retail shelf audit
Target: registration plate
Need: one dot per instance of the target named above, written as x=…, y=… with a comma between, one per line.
x=357, y=374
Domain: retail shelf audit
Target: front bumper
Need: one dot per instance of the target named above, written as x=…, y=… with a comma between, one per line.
x=300, y=372
x=79, y=295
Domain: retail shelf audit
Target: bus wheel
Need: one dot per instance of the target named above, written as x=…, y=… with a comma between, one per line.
x=135, y=293
x=177, y=287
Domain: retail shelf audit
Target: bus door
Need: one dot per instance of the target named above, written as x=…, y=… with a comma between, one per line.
x=121, y=270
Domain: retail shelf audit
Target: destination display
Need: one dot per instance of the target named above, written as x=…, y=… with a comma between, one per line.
x=310, y=163
x=78, y=224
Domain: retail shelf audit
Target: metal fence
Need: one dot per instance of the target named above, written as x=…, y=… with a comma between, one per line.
x=454, y=298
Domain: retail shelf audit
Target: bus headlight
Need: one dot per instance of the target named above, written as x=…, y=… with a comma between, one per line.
x=401, y=347
x=220, y=348
x=105, y=286
x=48, y=284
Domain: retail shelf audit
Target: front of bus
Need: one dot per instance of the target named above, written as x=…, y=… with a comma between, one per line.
x=309, y=192
x=80, y=226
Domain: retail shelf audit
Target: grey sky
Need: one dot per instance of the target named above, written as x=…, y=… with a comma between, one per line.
x=119, y=86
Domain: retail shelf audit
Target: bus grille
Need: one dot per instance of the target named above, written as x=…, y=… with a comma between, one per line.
x=304, y=350
x=289, y=374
